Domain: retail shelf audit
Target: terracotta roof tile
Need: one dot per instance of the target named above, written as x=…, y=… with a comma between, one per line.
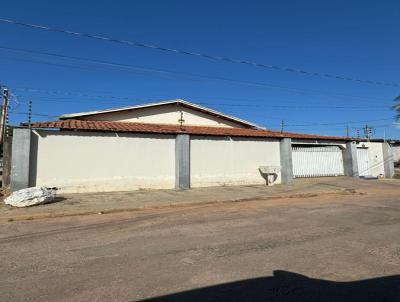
x=106, y=126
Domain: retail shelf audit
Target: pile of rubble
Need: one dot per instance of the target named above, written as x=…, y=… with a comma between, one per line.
x=31, y=197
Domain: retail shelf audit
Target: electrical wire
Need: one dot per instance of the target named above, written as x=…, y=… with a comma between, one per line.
x=311, y=124
x=269, y=107
x=182, y=75
x=341, y=123
x=198, y=54
x=34, y=114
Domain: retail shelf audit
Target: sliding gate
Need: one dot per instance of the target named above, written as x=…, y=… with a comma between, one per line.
x=317, y=161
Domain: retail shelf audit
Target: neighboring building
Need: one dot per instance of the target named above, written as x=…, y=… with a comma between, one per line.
x=375, y=163
x=172, y=144
x=394, y=144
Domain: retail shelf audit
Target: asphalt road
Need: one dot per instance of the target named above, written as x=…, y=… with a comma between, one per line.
x=332, y=248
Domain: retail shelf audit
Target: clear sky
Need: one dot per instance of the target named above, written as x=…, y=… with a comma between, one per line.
x=358, y=39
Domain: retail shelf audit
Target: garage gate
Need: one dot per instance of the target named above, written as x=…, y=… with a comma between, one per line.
x=317, y=161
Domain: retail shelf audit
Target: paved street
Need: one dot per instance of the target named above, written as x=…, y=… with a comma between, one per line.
x=255, y=250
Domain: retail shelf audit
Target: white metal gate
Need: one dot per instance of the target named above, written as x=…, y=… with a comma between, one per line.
x=363, y=161
x=317, y=161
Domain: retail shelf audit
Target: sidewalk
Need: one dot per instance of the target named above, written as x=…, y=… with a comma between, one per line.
x=95, y=203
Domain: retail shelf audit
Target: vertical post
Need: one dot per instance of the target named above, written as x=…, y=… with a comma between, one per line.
x=20, y=159
x=388, y=162
x=282, y=125
x=367, y=132
x=181, y=120
x=3, y=114
x=350, y=161
x=7, y=147
x=182, y=162
x=30, y=114
x=286, y=160
x=7, y=127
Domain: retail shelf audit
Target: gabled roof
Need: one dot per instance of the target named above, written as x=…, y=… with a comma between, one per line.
x=178, y=102
x=106, y=126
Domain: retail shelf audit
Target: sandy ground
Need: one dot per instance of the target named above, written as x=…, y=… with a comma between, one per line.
x=92, y=203
x=322, y=248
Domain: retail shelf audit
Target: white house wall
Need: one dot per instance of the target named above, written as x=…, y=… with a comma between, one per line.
x=78, y=161
x=168, y=114
x=396, y=153
x=231, y=161
x=375, y=156
x=99, y=162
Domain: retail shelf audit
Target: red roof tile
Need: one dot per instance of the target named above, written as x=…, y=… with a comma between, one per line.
x=106, y=126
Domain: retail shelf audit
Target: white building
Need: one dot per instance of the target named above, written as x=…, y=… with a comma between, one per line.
x=174, y=144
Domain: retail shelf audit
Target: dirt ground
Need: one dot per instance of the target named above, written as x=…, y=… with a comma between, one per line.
x=334, y=247
x=93, y=203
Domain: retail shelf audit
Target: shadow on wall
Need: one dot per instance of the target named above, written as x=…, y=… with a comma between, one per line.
x=287, y=286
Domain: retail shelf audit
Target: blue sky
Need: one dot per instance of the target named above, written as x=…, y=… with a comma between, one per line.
x=357, y=39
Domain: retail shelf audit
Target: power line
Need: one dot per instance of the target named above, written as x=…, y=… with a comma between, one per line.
x=273, y=107
x=269, y=107
x=341, y=128
x=296, y=107
x=199, y=55
x=187, y=76
x=33, y=114
x=341, y=123
x=213, y=104
x=288, y=125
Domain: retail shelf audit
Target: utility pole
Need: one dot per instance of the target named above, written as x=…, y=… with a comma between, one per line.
x=282, y=125
x=29, y=114
x=367, y=132
x=7, y=125
x=347, y=131
x=3, y=114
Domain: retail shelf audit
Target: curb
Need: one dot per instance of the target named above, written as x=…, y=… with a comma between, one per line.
x=177, y=205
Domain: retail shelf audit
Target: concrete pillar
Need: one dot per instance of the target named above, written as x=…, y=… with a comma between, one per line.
x=286, y=160
x=182, y=162
x=20, y=159
x=388, y=163
x=350, y=163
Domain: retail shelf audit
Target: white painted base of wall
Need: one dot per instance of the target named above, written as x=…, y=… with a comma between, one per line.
x=227, y=180
x=109, y=184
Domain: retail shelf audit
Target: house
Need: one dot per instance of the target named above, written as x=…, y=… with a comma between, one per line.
x=171, y=144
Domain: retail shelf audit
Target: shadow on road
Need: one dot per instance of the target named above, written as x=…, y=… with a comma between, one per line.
x=287, y=286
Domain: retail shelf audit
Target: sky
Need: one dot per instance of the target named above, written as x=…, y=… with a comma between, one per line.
x=61, y=73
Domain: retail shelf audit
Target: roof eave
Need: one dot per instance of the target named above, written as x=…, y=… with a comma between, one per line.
x=178, y=102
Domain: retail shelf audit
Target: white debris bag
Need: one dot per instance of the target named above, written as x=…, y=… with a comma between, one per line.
x=31, y=197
